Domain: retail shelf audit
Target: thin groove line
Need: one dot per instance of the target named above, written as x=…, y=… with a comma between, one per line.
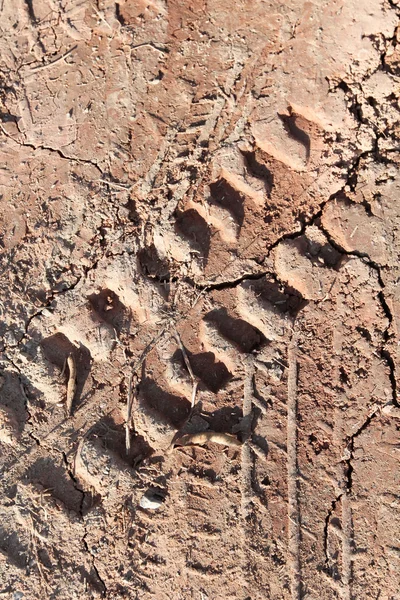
x=246, y=470
x=346, y=545
x=246, y=452
x=292, y=477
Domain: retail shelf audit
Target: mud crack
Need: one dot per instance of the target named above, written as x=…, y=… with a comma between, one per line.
x=93, y=562
x=28, y=414
x=230, y=284
x=384, y=352
x=350, y=450
x=82, y=517
x=57, y=151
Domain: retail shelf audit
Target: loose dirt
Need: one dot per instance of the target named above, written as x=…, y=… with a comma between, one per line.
x=230, y=172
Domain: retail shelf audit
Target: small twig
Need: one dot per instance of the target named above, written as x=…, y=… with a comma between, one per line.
x=195, y=382
x=150, y=347
x=56, y=60
x=101, y=17
x=33, y=535
x=185, y=356
x=159, y=48
x=71, y=385
x=117, y=186
x=63, y=369
x=225, y=439
x=353, y=232
x=194, y=391
x=193, y=377
x=131, y=384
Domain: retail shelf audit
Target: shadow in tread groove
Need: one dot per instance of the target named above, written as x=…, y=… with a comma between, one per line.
x=289, y=122
x=194, y=228
x=223, y=194
x=174, y=409
x=246, y=337
x=285, y=299
x=54, y=478
x=259, y=170
x=12, y=548
x=212, y=373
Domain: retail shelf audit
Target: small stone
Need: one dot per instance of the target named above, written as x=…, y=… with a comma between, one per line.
x=151, y=501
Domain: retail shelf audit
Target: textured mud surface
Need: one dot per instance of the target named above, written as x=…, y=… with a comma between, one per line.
x=230, y=172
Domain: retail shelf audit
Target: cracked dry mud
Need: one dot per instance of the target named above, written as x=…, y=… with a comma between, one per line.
x=230, y=172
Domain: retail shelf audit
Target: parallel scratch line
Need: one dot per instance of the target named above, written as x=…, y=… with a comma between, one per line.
x=292, y=475
x=246, y=466
x=246, y=471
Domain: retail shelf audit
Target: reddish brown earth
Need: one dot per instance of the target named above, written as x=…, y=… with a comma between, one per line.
x=228, y=171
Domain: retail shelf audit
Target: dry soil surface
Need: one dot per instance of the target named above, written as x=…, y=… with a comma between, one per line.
x=199, y=195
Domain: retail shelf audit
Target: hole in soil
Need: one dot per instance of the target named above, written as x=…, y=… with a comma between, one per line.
x=246, y=337
x=109, y=308
x=364, y=333
x=194, y=228
x=152, y=265
x=344, y=378
x=133, y=215
x=202, y=473
x=225, y=195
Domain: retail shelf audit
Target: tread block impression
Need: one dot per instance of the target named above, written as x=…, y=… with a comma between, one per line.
x=308, y=264
x=102, y=469
x=158, y=413
x=265, y=316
